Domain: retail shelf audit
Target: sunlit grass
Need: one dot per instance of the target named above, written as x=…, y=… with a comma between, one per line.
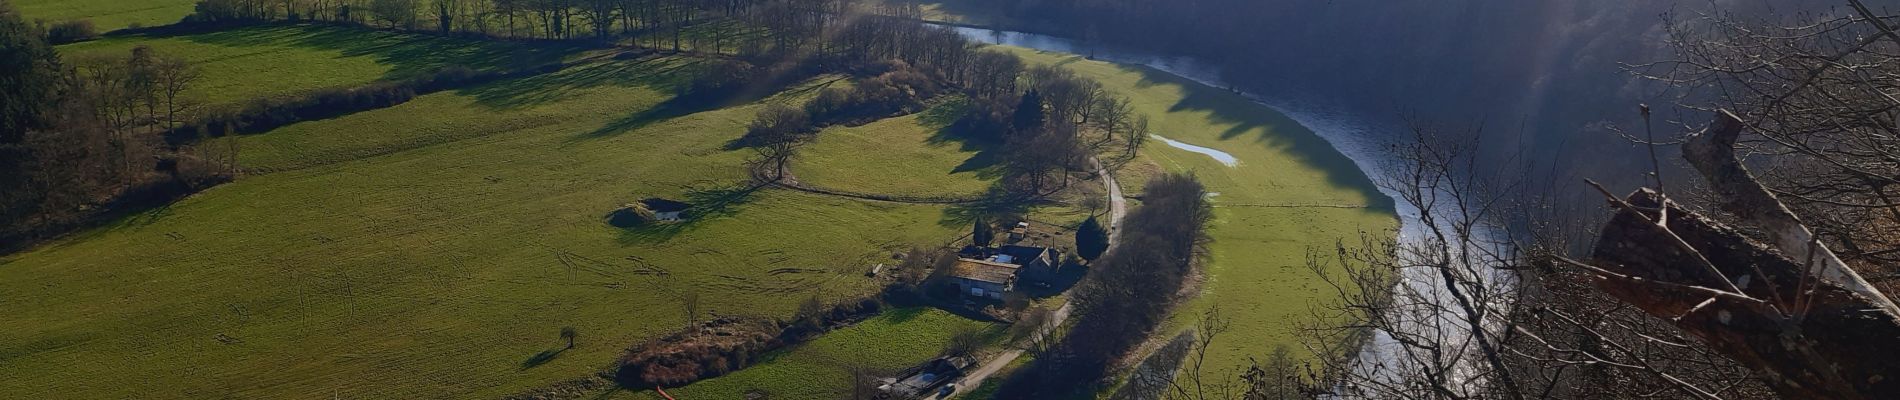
x=907, y=155
x=107, y=15
x=283, y=60
x=1291, y=193
x=389, y=260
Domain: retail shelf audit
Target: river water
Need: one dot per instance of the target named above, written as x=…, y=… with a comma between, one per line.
x=1354, y=135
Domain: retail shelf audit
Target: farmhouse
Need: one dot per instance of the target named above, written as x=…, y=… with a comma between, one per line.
x=983, y=278
x=989, y=273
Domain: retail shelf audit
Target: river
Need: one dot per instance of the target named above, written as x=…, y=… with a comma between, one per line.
x=1357, y=136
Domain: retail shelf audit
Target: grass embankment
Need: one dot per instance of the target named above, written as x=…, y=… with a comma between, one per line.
x=107, y=15
x=283, y=60
x=1291, y=192
x=437, y=262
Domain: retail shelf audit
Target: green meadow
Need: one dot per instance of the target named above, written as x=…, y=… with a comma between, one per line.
x=908, y=155
x=285, y=60
x=438, y=258
x=435, y=249
x=107, y=15
x=1290, y=193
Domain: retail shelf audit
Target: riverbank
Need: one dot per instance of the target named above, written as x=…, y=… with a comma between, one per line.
x=1256, y=273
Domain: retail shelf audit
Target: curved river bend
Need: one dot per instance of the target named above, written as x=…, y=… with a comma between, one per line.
x=1354, y=136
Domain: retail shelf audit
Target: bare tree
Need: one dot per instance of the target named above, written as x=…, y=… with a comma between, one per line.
x=689, y=303
x=1470, y=305
x=1810, y=327
x=1194, y=381
x=1032, y=328
x=865, y=382
x=1816, y=95
x=445, y=13
x=775, y=136
x=1433, y=309
x=174, y=78
x=965, y=342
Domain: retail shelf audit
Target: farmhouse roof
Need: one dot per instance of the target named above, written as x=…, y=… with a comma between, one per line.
x=984, y=271
x=1027, y=255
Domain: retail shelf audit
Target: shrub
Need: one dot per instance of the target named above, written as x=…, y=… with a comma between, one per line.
x=900, y=91
x=211, y=11
x=985, y=119
x=631, y=215
x=723, y=76
x=71, y=31
x=1091, y=240
x=720, y=346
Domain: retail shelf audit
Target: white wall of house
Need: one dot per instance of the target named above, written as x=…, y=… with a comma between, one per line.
x=975, y=288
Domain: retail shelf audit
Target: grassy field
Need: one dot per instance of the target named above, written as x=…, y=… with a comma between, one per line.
x=1290, y=192
x=107, y=15
x=905, y=155
x=387, y=260
x=282, y=60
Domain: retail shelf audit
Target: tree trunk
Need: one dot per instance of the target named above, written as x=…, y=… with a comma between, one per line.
x=1712, y=152
x=1810, y=338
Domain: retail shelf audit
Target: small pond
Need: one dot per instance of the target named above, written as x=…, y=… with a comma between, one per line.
x=1218, y=155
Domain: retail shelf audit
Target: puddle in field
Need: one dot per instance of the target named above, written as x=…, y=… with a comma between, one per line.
x=1218, y=155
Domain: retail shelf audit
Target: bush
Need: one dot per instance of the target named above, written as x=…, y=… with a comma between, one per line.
x=71, y=31
x=986, y=119
x=720, y=346
x=208, y=11
x=724, y=76
x=1091, y=240
x=631, y=215
x=900, y=91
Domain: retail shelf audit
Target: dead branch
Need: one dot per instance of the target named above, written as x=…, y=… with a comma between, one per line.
x=1712, y=152
x=1841, y=349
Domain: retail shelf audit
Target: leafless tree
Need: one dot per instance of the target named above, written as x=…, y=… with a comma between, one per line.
x=1194, y=381
x=174, y=78
x=689, y=303
x=865, y=382
x=1032, y=331
x=775, y=136
x=1816, y=92
x=1434, y=310
x=1469, y=305
x=965, y=342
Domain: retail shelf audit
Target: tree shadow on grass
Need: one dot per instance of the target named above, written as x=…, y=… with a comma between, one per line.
x=943, y=118
x=902, y=315
x=996, y=205
x=1042, y=283
x=658, y=72
x=407, y=54
x=542, y=358
x=687, y=102
x=1242, y=117
x=708, y=203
